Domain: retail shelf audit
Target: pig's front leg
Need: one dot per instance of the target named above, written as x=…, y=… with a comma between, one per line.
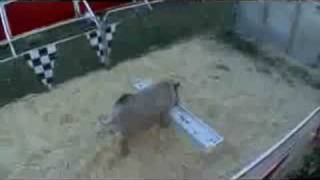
x=119, y=144
x=124, y=146
x=165, y=120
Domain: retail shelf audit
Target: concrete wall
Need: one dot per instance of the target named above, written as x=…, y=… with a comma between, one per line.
x=291, y=27
x=138, y=33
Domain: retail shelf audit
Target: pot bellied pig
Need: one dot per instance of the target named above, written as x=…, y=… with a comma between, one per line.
x=134, y=113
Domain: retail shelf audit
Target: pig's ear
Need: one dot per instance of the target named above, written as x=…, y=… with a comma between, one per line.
x=123, y=98
x=104, y=119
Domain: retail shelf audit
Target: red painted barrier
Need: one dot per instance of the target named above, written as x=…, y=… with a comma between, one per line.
x=2, y=36
x=27, y=16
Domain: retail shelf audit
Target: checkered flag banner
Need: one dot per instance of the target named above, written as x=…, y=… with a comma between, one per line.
x=101, y=41
x=41, y=60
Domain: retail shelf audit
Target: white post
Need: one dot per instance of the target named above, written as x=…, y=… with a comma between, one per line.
x=266, y=12
x=6, y=28
x=148, y=4
x=265, y=17
x=294, y=26
x=76, y=8
x=91, y=13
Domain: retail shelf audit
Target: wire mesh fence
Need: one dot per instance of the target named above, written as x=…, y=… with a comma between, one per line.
x=289, y=26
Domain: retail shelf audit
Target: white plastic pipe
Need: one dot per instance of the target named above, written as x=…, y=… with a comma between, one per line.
x=86, y=4
x=6, y=28
x=56, y=42
x=265, y=155
x=129, y=7
x=148, y=4
x=76, y=8
x=67, y=22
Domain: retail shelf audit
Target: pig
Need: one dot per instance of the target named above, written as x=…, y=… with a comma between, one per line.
x=134, y=113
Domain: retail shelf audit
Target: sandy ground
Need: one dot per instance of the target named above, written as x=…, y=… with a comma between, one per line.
x=52, y=134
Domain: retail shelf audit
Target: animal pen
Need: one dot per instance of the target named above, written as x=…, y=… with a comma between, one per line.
x=248, y=77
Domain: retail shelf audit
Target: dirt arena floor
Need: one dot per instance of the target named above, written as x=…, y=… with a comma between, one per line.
x=52, y=134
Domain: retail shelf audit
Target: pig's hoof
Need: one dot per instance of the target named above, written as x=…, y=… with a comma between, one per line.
x=164, y=120
x=124, y=148
x=164, y=123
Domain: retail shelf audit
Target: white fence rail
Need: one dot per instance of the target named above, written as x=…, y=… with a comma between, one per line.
x=293, y=141
x=10, y=39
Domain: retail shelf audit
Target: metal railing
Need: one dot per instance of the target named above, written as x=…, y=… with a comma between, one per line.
x=131, y=6
x=6, y=28
x=260, y=166
x=10, y=39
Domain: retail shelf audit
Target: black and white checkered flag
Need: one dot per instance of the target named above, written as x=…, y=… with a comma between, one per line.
x=109, y=31
x=42, y=62
x=101, y=45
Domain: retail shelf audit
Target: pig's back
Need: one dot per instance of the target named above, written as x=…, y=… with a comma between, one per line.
x=160, y=97
x=146, y=107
